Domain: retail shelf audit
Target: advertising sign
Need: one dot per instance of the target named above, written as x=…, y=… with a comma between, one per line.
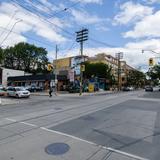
x=71, y=75
x=75, y=63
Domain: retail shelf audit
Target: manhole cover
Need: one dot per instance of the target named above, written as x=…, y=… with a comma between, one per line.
x=57, y=148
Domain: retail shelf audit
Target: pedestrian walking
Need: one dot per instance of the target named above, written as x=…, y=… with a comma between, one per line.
x=50, y=91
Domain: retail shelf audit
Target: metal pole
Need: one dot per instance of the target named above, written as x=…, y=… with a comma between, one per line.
x=56, y=70
x=119, y=72
x=81, y=73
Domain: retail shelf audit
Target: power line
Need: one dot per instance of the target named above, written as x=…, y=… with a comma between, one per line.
x=8, y=23
x=65, y=31
x=45, y=20
x=103, y=43
x=9, y=32
x=29, y=37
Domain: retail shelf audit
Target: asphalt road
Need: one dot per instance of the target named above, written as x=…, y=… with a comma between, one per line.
x=128, y=122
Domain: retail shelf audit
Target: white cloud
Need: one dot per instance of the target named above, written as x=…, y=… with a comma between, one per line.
x=89, y=1
x=131, y=12
x=83, y=17
x=148, y=27
x=132, y=52
x=30, y=23
x=152, y=1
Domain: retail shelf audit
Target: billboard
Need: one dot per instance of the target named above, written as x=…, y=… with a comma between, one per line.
x=75, y=63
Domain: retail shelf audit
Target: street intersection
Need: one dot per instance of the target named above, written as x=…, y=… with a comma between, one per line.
x=112, y=126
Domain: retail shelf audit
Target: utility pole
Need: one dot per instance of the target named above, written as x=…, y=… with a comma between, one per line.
x=55, y=71
x=81, y=37
x=119, y=56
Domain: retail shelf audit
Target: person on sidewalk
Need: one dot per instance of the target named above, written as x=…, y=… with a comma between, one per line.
x=50, y=91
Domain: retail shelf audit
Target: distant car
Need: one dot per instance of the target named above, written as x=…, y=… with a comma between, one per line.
x=149, y=89
x=125, y=89
x=74, y=89
x=33, y=88
x=131, y=88
x=17, y=92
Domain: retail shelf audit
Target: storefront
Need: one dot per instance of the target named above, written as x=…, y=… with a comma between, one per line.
x=43, y=81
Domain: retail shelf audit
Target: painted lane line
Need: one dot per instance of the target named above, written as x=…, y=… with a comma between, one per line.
x=12, y=120
x=104, y=147
x=28, y=124
x=67, y=135
x=126, y=154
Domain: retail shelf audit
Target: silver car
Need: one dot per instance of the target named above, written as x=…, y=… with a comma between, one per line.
x=17, y=92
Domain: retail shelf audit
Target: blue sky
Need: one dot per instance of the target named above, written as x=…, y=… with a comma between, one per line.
x=117, y=25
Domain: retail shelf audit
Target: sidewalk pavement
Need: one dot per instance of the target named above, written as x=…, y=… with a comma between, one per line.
x=45, y=144
x=71, y=94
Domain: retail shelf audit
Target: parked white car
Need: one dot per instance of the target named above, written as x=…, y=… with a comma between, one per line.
x=17, y=92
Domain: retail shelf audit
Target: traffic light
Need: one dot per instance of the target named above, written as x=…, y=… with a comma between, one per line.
x=49, y=67
x=151, y=62
x=82, y=68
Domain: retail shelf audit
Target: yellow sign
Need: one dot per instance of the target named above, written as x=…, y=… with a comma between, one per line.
x=82, y=68
x=91, y=87
x=151, y=62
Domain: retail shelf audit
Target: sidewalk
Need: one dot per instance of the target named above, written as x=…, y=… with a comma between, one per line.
x=46, y=144
x=71, y=94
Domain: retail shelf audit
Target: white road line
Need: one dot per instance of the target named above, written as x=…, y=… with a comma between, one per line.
x=82, y=140
x=28, y=124
x=67, y=135
x=104, y=147
x=12, y=120
x=126, y=154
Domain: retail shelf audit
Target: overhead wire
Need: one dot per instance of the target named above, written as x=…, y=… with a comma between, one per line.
x=70, y=35
x=29, y=37
x=45, y=20
x=8, y=23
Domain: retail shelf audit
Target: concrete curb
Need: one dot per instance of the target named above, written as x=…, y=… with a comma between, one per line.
x=74, y=94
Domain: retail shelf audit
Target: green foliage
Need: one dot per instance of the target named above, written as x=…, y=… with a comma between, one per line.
x=1, y=55
x=136, y=78
x=154, y=72
x=99, y=70
x=27, y=57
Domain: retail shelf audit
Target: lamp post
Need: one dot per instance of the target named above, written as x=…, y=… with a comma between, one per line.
x=143, y=50
x=10, y=31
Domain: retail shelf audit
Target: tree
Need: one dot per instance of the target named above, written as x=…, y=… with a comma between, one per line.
x=27, y=57
x=99, y=70
x=154, y=74
x=1, y=55
x=136, y=78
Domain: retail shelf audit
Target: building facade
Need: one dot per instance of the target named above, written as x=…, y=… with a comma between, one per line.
x=5, y=73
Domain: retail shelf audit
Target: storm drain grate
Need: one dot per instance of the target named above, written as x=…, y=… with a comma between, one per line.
x=57, y=148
